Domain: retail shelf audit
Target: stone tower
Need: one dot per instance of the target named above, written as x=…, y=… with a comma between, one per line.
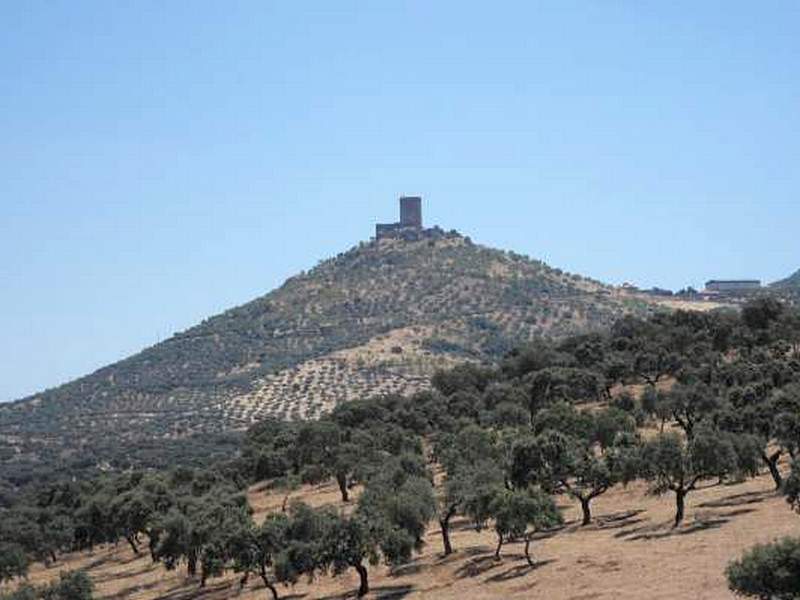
x=410, y=224
x=411, y=211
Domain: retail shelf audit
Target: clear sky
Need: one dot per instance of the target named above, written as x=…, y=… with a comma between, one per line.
x=162, y=161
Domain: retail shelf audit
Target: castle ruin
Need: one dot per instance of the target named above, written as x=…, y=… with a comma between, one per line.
x=410, y=224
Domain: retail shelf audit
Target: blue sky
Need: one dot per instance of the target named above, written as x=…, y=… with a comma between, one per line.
x=163, y=161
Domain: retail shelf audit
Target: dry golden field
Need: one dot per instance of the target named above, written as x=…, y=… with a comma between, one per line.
x=630, y=553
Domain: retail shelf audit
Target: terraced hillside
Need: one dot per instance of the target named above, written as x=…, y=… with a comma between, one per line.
x=379, y=318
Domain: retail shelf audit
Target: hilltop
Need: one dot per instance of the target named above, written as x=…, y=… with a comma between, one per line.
x=377, y=319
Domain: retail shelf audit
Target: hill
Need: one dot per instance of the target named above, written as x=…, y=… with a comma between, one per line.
x=634, y=463
x=790, y=283
x=379, y=318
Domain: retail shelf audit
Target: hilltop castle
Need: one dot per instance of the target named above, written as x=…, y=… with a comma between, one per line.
x=409, y=228
x=410, y=224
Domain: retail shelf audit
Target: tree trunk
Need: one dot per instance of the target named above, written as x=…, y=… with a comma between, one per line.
x=269, y=585
x=444, y=523
x=342, y=481
x=528, y=551
x=499, y=546
x=192, y=565
x=363, y=588
x=133, y=545
x=680, y=499
x=152, y=544
x=772, y=464
x=587, y=511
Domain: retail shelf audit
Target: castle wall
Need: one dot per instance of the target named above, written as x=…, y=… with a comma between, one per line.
x=384, y=230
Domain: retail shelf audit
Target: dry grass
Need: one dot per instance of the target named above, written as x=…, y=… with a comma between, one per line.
x=680, y=303
x=631, y=552
x=395, y=362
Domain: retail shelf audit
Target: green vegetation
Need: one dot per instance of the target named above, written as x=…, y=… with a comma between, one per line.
x=770, y=571
x=793, y=281
x=554, y=418
x=71, y=586
x=178, y=399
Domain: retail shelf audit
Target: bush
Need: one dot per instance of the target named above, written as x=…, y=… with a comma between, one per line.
x=770, y=571
x=13, y=562
x=313, y=474
x=74, y=585
x=625, y=402
x=26, y=592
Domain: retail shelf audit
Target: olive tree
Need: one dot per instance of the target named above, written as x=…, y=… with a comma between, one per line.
x=197, y=532
x=518, y=514
x=468, y=490
x=335, y=452
x=389, y=523
x=471, y=459
x=672, y=465
x=689, y=405
x=264, y=551
x=582, y=467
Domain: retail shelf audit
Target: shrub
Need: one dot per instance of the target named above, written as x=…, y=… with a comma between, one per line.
x=74, y=585
x=770, y=571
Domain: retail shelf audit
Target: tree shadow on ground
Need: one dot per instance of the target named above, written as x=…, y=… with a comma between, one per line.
x=667, y=530
x=620, y=524
x=413, y=567
x=481, y=565
x=609, y=521
x=476, y=567
x=119, y=576
x=194, y=591
x=460, y=554
x=107, y=558
x=460, y=524
x=737, y=500
x=548, y=533
x=132, y=590
x=517, y=571
x=617, y=519
x=385, y=592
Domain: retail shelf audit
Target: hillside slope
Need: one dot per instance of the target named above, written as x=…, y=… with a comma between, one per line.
x=378, y=318
x=631, y=552
x=792, y=282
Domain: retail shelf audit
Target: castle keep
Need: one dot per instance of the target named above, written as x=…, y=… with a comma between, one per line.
x=411, y=211
x=410, y=220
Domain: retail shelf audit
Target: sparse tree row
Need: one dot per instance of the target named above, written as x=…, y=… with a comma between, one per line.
x=681, y=401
